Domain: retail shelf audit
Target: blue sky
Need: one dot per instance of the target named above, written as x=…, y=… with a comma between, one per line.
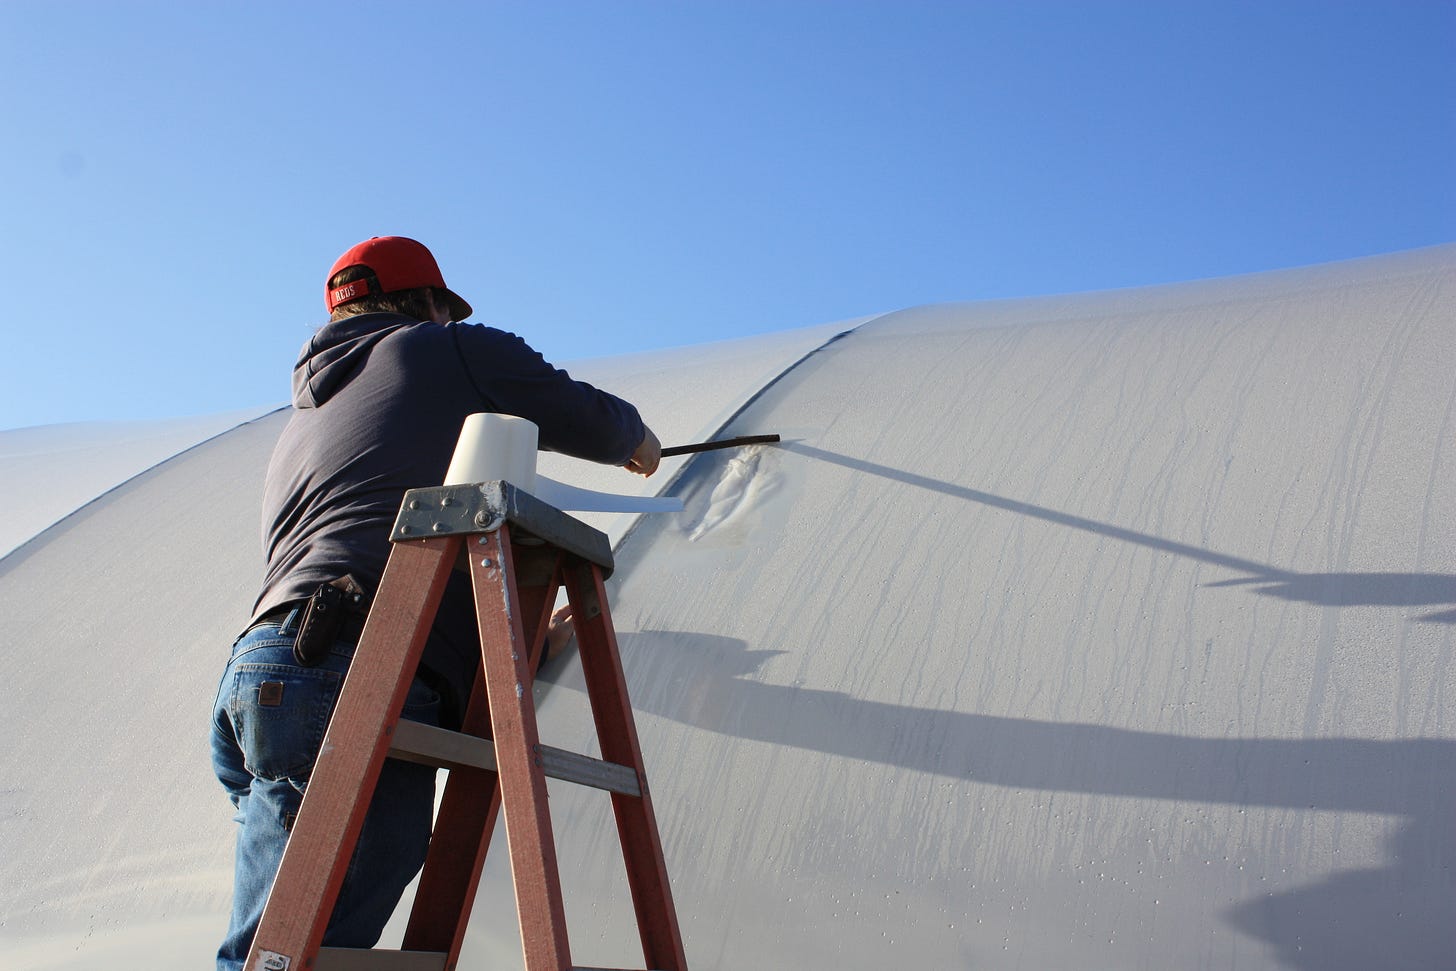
x=606, y=177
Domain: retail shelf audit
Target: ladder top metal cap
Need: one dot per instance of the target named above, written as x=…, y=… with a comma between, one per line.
x=483, y=507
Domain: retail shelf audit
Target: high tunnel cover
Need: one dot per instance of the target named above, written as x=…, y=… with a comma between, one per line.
x=1101, y=631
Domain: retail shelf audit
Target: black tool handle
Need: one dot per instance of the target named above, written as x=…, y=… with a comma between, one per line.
x=725, y=443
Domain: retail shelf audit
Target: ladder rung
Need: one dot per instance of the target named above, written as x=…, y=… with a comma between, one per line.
x=440, y=747
x=364, y=959
x=587, y=771
x=427, y=744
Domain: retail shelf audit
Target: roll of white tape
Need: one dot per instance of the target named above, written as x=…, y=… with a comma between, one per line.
x=495, y=447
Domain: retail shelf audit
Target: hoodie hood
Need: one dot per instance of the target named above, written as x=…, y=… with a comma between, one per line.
x=337, y=352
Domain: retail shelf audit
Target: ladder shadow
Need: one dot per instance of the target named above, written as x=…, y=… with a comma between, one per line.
x=1320, y=589
x=1391, y=916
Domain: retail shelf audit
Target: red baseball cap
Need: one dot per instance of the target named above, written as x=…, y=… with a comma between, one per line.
x=399, y=263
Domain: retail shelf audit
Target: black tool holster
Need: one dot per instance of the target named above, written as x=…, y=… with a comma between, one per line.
x=324, y=616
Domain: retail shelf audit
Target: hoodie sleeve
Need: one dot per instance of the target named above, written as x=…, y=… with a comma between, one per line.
x=574, y=418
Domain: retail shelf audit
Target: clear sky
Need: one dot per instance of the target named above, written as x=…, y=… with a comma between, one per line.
x=605, y=177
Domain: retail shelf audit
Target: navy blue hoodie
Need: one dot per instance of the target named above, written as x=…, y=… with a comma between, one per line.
x=378, y=401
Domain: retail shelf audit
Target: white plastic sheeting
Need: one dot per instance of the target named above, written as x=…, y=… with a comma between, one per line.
x=48, y=471
x=1108, y=632
x=1103, y=631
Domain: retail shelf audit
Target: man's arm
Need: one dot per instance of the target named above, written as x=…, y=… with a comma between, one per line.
x=574, y=418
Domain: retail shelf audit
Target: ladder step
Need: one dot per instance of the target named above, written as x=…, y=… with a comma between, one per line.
x=442, y=748
x=363, y=959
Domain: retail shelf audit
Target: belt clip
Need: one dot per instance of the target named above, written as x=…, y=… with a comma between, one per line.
x=323, y=617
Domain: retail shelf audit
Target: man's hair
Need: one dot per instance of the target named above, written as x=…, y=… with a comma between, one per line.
x=414, y=304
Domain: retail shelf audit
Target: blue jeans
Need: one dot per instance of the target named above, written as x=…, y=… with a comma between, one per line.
x=268, y=723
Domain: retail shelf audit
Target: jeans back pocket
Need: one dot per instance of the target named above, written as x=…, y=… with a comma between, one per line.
x=280, y=713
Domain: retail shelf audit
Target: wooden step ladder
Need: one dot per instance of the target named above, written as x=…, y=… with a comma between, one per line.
x=519, y=552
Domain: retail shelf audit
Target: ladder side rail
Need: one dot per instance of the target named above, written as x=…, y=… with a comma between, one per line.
x=355, y=745
x=538, y=580
x=471, y=801
x=469, y=807
x=617, y=735
x=507, y=665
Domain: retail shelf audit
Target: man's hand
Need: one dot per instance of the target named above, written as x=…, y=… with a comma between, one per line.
x=649, y=453
x=559, y=633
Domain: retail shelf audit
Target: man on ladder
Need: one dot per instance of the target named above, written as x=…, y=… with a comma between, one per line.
x=379, y=395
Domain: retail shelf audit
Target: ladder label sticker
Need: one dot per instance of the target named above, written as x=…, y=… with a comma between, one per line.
x=273, y=961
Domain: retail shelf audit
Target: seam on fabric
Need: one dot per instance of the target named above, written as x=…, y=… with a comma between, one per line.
x=747, y=403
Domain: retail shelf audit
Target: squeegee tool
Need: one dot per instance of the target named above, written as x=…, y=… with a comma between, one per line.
x=723, y=443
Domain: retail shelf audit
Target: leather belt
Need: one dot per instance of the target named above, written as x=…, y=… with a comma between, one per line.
x=350, y=630
x=278, y=615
